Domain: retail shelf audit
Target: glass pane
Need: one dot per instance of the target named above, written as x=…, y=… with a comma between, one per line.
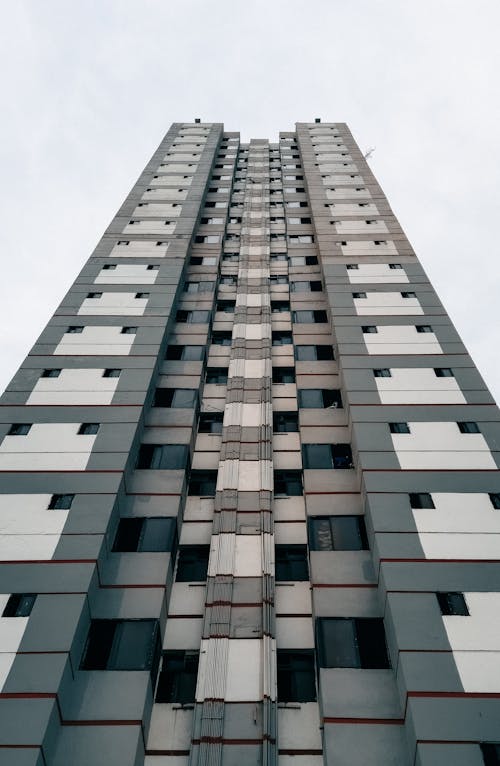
x=172, y=457
x=157, y=534
x=184, y=397
x=317, y=456
x=312, y=398
x=371, y=643
x=321, y=534
x=133, y=645
x=193, y=353
x=337, y=643
x=346, y=535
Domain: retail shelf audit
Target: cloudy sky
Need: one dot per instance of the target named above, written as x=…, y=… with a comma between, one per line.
x=90, y=86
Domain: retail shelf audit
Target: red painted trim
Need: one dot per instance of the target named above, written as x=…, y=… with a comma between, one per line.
x=343, y=585
x=103, y=723
x=27, y=695
x=457, y=695
x=368, y=721
x=290, y=751
x=167, y=752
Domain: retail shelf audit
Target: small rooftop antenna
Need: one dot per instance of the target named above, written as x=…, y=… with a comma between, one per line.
x=369, y=153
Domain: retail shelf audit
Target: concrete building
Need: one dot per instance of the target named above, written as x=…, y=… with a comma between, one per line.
x=250, y=498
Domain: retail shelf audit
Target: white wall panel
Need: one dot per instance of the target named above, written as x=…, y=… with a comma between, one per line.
x=361, y=227
x=139, y=249
x=418, y=386
x=294, y=633
x=162, y=228
x=74, y=386
x=401, y=339
x=113, y=304
x=368, y=247
x=95, y=341
x=387, y=303
x=376, y=273
x=170, y=729
x=129, y=274
x=47, y=446
x=167, y=210
x=441, y=446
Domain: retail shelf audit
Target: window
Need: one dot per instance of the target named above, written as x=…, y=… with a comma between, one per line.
x=443, y=372
x=278, y=279
x=452, y=604
x=61, y=502
x=337, y=533
x=309, y=317
x=227, y=307
x=216, y=375
x=383, y=372
x=278, y=257
x=145, y=534
x=280, y=338
x=313, y=353
x=491, y=753
x=351, y=642
x=198, y=287
x=408, y=295
x=122, y=645
x=111, y=372
x=285, y=422
x=192, y=563
x=352, y=266
x=109, y=267
x=19, y=429
x=287, y=483
x=283, y=375
x=176, y=398
x=128, y=330
x=186, y=353
x=193, y=317
x=303, y=260
x=495, y=500
x=399, y=428
x=302, y=287
x=296, y=676
x=163, y=456
x=228, y=280
x=298, y=221
x=88, y=429
x=291, y=563
x=321, y=456
x=212, y=220
x=395, y=266
x=359, y=295
x=320, y=398
x=19, y=605
x=279, y=307
x=468, y=428
x=222, y=338
x=74, y=329
x=202, y=483
x=178, y=677
x=208, y=239
x=421, y=500
x=51, y=373
x=152, y=267
x=94, y=295
x=367, y=329
x=210, y=423
x=423, y=328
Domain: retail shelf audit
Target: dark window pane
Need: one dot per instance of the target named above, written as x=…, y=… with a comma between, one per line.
x=184, y=398
x=134, y=645
x=287, y=483
x=337, y=644
x=339, y=533
x=421, y=500
x=495, y=500
x=317, y=456
x=283, y=375
x=324, y=353
x=145, y=534
x=61, y=502
x=491, y=753
x=311, y=398
x=382, y=373
x=468, y=428
x=399, y=428
x=285, y=422
x=178, y=676
x=371, y=643
x=192, y=563
x=19, y=429
x=217, y=375
x=192, y=353
x=296, y=676
x=202, y=483
x=443, y=372
x=88, y=429
x=291, y=562
x=452, y=604
x=99, y=643
x=210, y=423
x=163, y=456
x=19, y=605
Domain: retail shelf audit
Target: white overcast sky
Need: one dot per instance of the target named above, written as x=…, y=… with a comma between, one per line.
x=89, y=87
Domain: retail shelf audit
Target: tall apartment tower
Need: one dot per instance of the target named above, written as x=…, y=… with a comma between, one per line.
x=249, y=486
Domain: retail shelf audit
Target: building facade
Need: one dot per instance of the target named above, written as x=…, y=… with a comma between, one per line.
x=249, y=486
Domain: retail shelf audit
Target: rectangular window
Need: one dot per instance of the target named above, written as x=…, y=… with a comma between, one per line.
x=163, y=456
x=176, y=398
x=468, y=427
x=302, y=287
x=283, y=375
x=111, y=372
x=399, y=428
x=227, y=307
x=318, y=398
x=52, y=373
x=423, y=328
x=88, y=429
x=19, y=605
x=309, y=317
x=452, y=604
x=359, y=295
x=285, y=422
x=491, y=753
x=222, y=338
x=216, y=375
x=186, y=353
x=145, y=534
x=210, y=423
x=296, y=676
x=19, y=429
x=288, y=483
x=278, y=279
x=367, y=329
x=75, y=329
x=280, y=338
x=128, y=330
x=192, y=563
x=279, y=307
x=337, y=533
x=421, y=500
x=443, y=372
x=495, y=500
x=192, y=317
x=313, y=353
x=202, y=483
x=122, y=645
x=322, y=456
x=291, y=563
x=383, y=372
x=351, y=642
x=61, y=502
x=177, y=678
